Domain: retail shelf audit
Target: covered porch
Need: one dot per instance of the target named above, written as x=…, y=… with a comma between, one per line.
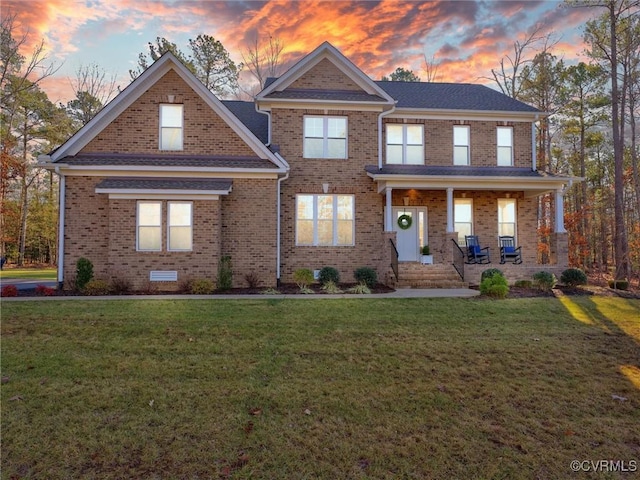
x=441, y=206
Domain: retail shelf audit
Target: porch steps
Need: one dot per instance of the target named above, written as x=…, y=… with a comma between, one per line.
x=416, y=275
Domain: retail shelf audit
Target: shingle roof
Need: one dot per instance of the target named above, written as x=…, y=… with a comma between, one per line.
x=462, y=171
x=327, y=95
x=204, y=184
x=452, y=96
x=115, y=159
x=258, y=123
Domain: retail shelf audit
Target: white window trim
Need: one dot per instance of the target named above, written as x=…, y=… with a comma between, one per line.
x=468, y=144
x=169, y=249
x=325, y=136
x=498, y=147
x=470, y=200
x=515, y=218
x=335, y=219
x=161, y=127
x=138, y=249
x=405, y=143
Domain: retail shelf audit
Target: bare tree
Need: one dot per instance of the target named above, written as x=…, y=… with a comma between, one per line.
x=263, y=60
x=93, y=89
x=431, y=68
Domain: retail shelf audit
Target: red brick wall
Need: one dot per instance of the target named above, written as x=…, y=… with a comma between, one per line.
x=325, y=76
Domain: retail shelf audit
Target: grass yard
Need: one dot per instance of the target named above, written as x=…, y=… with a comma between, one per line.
x=29, y=273
x=322, y=389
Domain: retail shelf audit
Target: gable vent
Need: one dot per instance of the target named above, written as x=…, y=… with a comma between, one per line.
x=163, y=276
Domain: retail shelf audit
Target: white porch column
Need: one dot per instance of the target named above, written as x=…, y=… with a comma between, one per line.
x=560, y=211
x=449, y=210
x=388, y=221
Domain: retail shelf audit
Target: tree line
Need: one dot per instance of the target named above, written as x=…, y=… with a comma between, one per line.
x=590, y=132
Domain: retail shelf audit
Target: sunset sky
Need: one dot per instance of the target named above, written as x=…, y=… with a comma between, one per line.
x=466, y=38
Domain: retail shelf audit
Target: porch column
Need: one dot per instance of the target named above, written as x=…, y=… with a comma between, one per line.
x=388, y=221
x=560, y=211
x=450, y=210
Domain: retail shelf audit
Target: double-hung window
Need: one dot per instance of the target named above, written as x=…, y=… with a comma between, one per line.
x=405, y=144
x=171, y=123
x=149, y=226
x=325, y=137
x=505, y=146
x=325, y=220
x=463, y=217
x=461, y=145
x=507, y=217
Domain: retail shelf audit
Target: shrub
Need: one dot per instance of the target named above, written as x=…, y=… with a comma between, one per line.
x=329, y=274
x=303, y=278
x=490, y=272
x=45, y=291
x=120, y=286
x=201, y=286
x=360, y=288
x=331, y=287
x=96, y=287
x=84, y=272
x=366, y=275
x=270, y=291
x=150, y=288
x=494, y=286
x=544, y=280
x=225, y=273
x=619, y=284
x=9, y=291
x=573, y=277
x=523, y=284
x=426, y=250
x=252, y=280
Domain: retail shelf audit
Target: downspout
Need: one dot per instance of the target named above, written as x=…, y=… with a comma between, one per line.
x=61, y=203
x=534, y=145
x=278, y=208
x=268, y=114
x=388, y=112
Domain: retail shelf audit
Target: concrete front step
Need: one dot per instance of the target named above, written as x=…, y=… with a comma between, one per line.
x=416, y=275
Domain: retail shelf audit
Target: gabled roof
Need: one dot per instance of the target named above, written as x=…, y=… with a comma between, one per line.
x=452, y=96
x=138, y=87
x=246, y=112
x=325, y=51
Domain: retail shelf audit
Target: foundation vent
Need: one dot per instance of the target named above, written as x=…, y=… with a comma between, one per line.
x=163, y=276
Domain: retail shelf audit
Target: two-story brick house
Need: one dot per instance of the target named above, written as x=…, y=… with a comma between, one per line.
x=315, y=172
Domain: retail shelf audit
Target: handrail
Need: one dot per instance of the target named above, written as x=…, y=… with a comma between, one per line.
x=458, y=260
x=394, y=258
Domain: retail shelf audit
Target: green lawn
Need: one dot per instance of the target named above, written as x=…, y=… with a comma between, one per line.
x=29, y=273
x=322, y=389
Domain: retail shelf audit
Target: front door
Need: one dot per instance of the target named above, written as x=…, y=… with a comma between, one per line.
x=407, y=238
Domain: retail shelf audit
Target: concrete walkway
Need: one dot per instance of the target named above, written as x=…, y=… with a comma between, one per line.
x=400, y=293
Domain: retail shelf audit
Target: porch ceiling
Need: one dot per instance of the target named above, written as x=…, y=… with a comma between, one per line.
x=533, y=183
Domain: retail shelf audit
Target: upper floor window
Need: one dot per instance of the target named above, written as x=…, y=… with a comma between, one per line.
x=325, y=137
x=325, y=220
x=171, y=124
x=461, y=145
x=505, y=146
x=405, y=144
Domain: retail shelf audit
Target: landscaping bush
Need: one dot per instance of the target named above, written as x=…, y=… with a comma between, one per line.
x=494, y=286
x=225, y=273
x=120, y=286
x=619, y=284
x=544, y=280
x=329, y=274
x=360, y=288
x=84, y=272
x=9, y=291
x=96, y=287
x=303, y=278
x=201, y=286
x=523, y=284
x=331, y=287
x=573, y=277
x=366, y=275
x=45, y=291
x=252, y=280
x=425, y=250
x=489, y=272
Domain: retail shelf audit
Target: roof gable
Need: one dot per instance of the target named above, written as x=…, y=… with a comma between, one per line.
x=168, y=62
x=343, y=76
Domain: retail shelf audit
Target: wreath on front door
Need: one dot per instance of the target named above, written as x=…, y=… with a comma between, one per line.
x=405, y=221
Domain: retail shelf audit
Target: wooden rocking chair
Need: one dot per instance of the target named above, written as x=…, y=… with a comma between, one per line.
x=508, y=250
x=475, y=253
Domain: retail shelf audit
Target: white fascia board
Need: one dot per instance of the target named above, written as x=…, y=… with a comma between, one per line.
x=146, y=171
x=322, y=52
x=445, y=114
x=467, y=183
x=158, y=195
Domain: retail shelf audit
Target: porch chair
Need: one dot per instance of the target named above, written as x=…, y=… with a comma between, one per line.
x=508, y=250
x=475, y=253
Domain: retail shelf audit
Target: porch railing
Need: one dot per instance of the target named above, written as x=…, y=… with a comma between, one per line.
x=394, y=258
x=458, y=259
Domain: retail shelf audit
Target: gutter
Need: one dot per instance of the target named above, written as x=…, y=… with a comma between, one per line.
x=61, y=203
x=268, y=114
